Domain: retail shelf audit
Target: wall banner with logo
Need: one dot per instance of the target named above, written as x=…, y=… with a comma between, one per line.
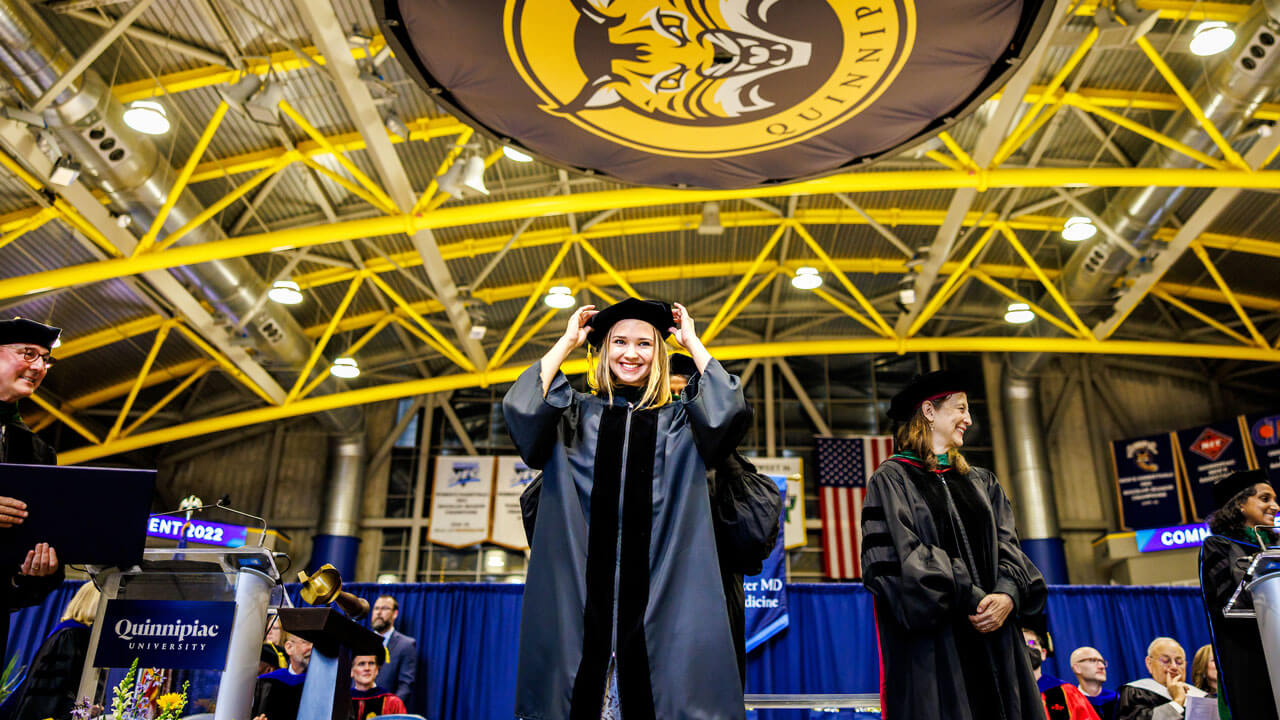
x=513, y=477
x=461, y=498
x=1264, y=438
x=766, y=593
x=1209, y=452
x=1147, y=481
x=176, y=634
x=790, y=470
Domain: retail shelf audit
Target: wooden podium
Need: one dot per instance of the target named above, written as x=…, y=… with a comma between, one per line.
x=336, y=639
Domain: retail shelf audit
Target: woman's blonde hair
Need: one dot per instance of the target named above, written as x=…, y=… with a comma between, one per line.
x=1200, y=668
x=657, y=391
x=83, y=607
x=916, y=435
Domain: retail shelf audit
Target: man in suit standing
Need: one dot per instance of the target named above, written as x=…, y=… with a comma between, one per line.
x=398, y=674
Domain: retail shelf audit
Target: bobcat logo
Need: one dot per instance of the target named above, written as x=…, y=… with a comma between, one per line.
x=670, y=60
x=708, y=78
x=1143, y=453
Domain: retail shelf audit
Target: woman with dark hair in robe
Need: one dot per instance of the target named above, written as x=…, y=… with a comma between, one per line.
x=941, y=556
x=624, y=612
x=1245, y=501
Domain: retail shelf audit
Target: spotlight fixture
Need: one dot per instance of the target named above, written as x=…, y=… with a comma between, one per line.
x=473, y=174
x=560, y=297
x=65, y=171
x=515, y=155
x=395, y=125
x=477, y=332
x=345, y=368
x=1211, y=37
x=1019, y=314
x=147, y=117
x=237, y=94
x=806, y=278
x=123, y=220
x=451, y=181
x=285, y=292
x=1078, y=229
x=264, y=107
x=710, y=224
x=907, y=290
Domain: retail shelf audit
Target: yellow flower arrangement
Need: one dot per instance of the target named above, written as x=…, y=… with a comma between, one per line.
x=170, y=700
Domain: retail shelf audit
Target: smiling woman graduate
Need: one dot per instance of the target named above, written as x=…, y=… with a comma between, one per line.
x=624, y=613
x=941, y=556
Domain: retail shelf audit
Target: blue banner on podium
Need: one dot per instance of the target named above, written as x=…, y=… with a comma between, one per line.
x=173, y=634
x=766, y=593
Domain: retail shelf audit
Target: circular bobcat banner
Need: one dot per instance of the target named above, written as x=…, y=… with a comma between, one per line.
x=697, y=79
x=711, y=93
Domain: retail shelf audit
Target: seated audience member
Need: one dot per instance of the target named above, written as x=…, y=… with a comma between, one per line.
x=367, y=699
x=1036, y=635
x=1090, y=669
x=279, y=692
x=53, y=678
x=271, y=659
x=1163, y=696
x=1204, y=671
x=1062, y=701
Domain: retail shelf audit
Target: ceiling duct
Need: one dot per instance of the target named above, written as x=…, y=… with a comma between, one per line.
x=1247, y=75
x=87, y=122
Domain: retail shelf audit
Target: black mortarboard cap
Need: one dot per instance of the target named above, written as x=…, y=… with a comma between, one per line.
x=926, y=387
x=654, y=312
x=273, y=656
x=682, y=364
x=1235, y=483
x=21, y=330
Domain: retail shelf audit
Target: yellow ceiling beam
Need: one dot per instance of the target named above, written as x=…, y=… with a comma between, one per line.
x=1182, y=9
x=463, y=215
x=208, y=75
x=392, y=391
x=102, y=338
x=120, y=389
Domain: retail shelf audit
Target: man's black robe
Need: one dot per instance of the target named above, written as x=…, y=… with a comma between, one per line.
x=19, y=445
x=1237, y=646
x=928, y=571
x=1147, y=699
x=624, y=562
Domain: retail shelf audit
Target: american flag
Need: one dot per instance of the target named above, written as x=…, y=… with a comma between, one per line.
x=844, y=465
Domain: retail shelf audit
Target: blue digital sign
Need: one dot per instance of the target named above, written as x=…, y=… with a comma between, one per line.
x=1171, y=538
x=201, y=531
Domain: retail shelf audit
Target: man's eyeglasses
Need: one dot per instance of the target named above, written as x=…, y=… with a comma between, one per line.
x=1097, y=660
x=29, y=355
x=1166, y=661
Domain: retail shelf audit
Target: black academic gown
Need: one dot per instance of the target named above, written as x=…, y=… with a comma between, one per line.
x=278, y=695
x=19, y=445
x=934, y=665
x=1237, y=646
x=624, y=566
x=53, y=677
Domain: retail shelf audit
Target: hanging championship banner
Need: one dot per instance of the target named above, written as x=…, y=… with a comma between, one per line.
x=791, y=470
x=1207, y=453
x=513, y=477
x=1264, y=439
x=726, y=94
x=766, y=593
x=461, y=497
x=1147, y=482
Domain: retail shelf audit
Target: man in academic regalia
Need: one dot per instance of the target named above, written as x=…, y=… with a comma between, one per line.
x=1090, y=669
x=1163, y=696
x=368, y=700
x=279, y=693
x=24, y=360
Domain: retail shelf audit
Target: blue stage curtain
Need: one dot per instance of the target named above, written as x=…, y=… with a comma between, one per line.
x=29, y=627
x=468, y=634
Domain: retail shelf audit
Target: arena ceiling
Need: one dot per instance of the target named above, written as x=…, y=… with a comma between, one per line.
x=397, y=273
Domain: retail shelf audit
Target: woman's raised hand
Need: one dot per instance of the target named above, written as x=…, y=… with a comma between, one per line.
x=683, y=330
x=575, y=333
